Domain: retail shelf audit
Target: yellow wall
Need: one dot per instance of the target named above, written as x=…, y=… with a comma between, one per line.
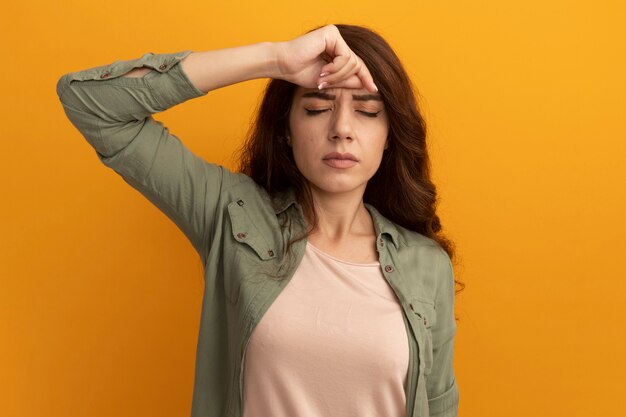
x=100, y=294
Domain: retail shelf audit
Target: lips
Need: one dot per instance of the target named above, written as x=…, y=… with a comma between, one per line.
x=340, y=160
x=340, y=156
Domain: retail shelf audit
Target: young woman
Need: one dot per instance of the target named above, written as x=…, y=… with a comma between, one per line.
x=329, y=289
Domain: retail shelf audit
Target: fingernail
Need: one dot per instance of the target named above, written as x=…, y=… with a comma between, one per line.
x=324, y=74
x=375, y=87
x=322, y=85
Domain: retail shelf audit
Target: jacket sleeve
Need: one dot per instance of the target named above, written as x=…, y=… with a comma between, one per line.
x=441, y=386
x=114, y=114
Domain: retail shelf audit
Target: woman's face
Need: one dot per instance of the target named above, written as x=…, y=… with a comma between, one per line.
x=338, y=136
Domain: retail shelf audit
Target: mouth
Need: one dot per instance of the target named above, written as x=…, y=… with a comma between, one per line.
x=340, y=157
x=340, y=160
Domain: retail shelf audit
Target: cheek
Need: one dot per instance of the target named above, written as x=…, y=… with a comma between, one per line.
x=376, y=151
x=375, y=161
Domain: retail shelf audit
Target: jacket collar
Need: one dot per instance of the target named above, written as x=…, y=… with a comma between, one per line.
x=284, y=199
x=383, y=225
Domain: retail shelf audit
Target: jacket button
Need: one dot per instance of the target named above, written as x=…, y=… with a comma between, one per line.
x=241, y=235
x=389, y=268
x=162, y=66
x=105, y=74
x=270, y=252
x=240, y=202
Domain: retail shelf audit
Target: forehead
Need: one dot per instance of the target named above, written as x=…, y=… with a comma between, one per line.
x=358, y=94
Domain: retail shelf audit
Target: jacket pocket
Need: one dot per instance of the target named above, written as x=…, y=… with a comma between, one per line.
x=251, y=250
x=426, y=317
x=446, y=404
x=246, y=233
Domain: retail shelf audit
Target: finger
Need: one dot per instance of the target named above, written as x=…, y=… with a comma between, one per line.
x=335, y=44
x=357, y=66
x=336, y=49
x=366, y=77
x=342, y=67
x=351, y=82
x=332, y=69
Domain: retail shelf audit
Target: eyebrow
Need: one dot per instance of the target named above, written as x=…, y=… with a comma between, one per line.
x=357, y=97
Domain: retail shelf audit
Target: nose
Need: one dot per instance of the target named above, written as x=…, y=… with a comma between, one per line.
x=342, y=124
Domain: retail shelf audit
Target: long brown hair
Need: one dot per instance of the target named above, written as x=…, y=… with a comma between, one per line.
x=401, y=189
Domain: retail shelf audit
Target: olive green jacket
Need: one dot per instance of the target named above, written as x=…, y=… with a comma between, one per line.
x=241, y=238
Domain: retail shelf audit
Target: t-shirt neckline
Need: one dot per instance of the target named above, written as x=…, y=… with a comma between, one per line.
x=321, y=252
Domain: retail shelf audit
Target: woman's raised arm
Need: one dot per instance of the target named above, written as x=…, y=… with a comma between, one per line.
x=112, y=107
x=300, y=61
x=114, y=114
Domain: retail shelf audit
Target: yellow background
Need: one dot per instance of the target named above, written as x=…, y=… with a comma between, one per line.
x=100, y=294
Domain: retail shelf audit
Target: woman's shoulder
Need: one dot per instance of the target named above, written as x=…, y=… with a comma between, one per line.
x=241, y=194
x=231, y=178
x=412, y=238
x=417, y=245
x=402, y=236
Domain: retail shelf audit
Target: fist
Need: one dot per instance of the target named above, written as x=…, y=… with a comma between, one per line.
x=321, y=59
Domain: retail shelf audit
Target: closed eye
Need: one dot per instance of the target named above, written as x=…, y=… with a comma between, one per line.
x=314, y=112
x=369, y=114
x=365, y=113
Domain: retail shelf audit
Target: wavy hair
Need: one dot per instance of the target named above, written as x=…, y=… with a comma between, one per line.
x=405, y=171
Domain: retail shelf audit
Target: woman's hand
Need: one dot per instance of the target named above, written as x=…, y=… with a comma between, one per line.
x=322, y=59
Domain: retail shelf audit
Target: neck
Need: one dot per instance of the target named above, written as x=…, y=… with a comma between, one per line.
x=340, y=216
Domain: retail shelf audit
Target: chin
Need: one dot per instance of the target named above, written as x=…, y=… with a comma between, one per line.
x=338, y=187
